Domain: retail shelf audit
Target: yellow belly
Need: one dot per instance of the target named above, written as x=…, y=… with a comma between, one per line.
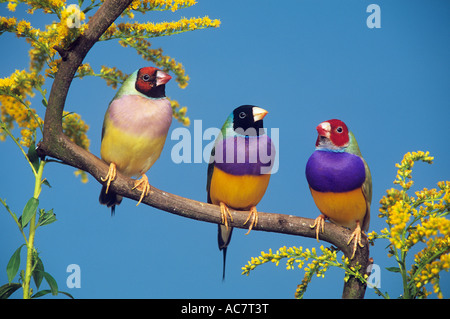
x=342, y=208
x=238, y=192
x=132, y=154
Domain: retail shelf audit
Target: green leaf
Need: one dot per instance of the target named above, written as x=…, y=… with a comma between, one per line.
x=51, y=282
x=46, y=183
x=393, y=269
x=67, y=294
x=38, y=272
x=46, y=218
x=47, y=291
x=41, y=293
x=32, y=156
x=29, y=210
x=8, y=289
x=13, y=215
x=13, y=264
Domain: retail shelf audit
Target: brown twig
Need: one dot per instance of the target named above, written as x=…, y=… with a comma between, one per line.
x=56, y=144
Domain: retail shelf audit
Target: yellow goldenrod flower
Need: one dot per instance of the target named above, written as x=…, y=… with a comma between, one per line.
x=12, y=6
x=75, y=128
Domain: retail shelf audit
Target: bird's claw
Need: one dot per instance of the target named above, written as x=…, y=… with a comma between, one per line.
x=254, y=215
x=356, y=236
x=319, y=223
x=225, y=213
x=143, y=185
x=112, y=172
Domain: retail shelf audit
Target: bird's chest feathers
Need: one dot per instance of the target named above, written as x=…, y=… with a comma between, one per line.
x=134, y=133
x=335, y=172
x=240, y=155
x=140, y=116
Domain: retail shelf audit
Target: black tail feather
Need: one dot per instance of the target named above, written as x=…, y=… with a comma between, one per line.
x=224, y=237
x=224, y=262
x=109, y=199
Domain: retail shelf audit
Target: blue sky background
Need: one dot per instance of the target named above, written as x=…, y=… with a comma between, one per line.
x=303, y=61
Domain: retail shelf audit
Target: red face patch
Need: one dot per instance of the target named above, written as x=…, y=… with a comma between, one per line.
x=338, y=133
x=146, y=79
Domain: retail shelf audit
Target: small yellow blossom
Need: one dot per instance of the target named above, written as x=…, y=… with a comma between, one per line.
x=23, y=27
x=84, y=177
x=12, y=6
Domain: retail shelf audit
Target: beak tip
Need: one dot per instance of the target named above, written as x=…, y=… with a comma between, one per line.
x=162, y=77
x=324, y=129
x=259, y=113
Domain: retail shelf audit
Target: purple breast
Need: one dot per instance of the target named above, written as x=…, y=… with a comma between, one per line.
x=245, y=155
x=335, y=172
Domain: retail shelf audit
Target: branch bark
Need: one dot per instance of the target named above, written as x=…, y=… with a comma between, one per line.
x=56, y=144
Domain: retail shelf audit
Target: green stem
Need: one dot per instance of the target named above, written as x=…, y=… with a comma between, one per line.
x=3, y=126
x=30, y=244
x=401, y=263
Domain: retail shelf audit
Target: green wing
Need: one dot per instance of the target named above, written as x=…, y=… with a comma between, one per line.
x=353, y=148
x=367, y=191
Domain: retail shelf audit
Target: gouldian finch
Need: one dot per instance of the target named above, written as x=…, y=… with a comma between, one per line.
x=134, y=130
x=340, y=181
x=239, y=169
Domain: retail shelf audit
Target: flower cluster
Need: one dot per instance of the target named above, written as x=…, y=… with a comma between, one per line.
x=413, y=220
x=151, y=30
x=179, y=113
x=14, y=106
x=84, y=70
x=158, y=5
x=75, y=128
x=56, y=35
x=430, y=274
x=403, y=177
x=310, y=261
x=48, y=6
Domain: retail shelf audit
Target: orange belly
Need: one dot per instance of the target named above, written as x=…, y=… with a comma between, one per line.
x=238, y=192
x=344, y=209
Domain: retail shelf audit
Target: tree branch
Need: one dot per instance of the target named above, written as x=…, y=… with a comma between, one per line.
x=58, y=145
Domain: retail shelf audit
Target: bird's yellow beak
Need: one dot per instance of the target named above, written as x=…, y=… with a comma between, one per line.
x=259, y=113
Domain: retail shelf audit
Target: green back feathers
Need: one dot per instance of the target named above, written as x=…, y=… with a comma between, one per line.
x=353, y=148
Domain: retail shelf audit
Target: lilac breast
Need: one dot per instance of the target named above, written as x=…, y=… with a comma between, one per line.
x=335, y=172
x=141, y=116
x=241, y=155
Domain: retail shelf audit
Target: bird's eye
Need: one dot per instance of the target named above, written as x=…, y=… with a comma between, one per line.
x=146, y=77
x=242, y=115
x=339, y=129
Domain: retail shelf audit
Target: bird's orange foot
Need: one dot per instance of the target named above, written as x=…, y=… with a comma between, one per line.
x=356, y=237
x=112, y=172
x=319, y=223
x=143, y=185
x=254, y=216
x=225, y=213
